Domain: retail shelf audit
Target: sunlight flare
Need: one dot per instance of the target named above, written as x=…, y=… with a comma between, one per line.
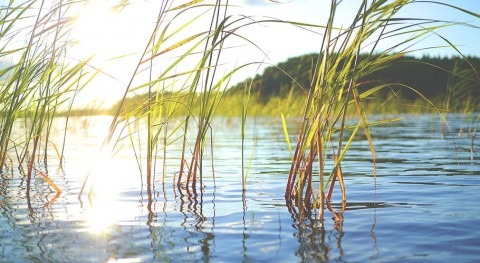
x=101, y=31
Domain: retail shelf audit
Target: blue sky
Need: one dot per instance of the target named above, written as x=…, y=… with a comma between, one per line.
x=284, y=42
x=464, y=37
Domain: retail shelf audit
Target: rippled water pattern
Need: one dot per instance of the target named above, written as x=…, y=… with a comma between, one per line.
x=424, y=208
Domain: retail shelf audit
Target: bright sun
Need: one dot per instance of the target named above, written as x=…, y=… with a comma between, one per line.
x=99, y=31
x=114, y=39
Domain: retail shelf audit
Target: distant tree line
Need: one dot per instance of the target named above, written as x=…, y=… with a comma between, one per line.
x=436, y=78
x=451, y=83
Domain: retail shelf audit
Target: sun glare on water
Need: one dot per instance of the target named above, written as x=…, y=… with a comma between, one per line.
x=109, y=178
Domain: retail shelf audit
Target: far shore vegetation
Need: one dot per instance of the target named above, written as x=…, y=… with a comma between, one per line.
x=448, y=82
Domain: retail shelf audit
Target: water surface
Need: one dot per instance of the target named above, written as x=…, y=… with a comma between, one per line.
x=423, y=207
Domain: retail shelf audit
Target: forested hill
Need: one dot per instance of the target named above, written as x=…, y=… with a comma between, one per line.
x=450, y=83
x=431, y=76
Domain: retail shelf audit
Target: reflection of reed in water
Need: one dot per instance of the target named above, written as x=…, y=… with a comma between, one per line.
x=314, y=240
x=36, y=225
x=314, y=246
x=165, y=240
x=245, y=235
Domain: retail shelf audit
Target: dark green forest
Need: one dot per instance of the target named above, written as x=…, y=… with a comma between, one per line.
x=441, y=80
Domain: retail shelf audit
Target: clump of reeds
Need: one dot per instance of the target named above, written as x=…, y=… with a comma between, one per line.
x=336, y=86
x=190, y=84
x=37, y=79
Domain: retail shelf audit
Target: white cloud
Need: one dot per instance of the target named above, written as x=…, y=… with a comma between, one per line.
x=256, y=2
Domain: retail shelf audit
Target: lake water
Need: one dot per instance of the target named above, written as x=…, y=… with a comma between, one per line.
x=424, y=208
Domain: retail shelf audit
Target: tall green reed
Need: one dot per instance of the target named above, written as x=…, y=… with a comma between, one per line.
x=461, y=88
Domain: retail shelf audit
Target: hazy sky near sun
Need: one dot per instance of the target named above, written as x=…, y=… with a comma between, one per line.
x=110, y=35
